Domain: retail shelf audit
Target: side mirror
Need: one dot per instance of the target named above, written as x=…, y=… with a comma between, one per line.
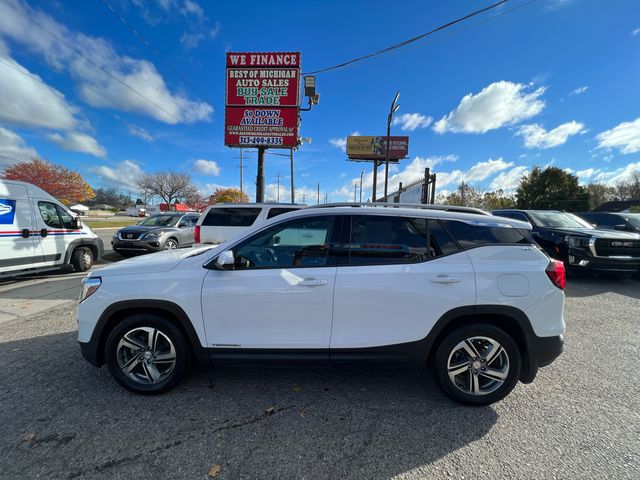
x=77, y=223
x=225, y=260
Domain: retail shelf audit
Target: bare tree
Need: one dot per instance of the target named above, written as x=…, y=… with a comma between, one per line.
x=168, y=186
x=630, y=189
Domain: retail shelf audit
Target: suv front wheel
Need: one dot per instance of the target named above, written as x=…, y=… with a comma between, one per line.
x=147, y=354
x=477, y=364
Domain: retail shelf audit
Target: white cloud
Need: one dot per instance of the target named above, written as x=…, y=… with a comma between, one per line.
x=191, y=40
x=579, y=90
x=27, y=101
x=509, y=180
x=62, y=51
x=78, y=142
x=123, y=175
x=140, y=133
x=483, y=170
x=412, y=121
x=191, y=8
x=207, y=167
x=500, y=104
x=13, y=148
x=341, y=143
x=536, y=136
x=635, y=31
x=625, y=137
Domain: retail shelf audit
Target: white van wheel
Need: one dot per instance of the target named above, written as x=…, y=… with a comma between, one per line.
x=82, y=259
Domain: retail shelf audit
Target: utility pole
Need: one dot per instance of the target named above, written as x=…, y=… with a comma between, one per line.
x=375, y=181
x=293, y=195
x=278, y=194
x=318, y=193
x=304, y=198
x=361, y=174
x=260, y=176
x=326, y=198
x=392, y=110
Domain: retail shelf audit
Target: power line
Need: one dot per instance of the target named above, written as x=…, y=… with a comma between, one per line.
x=105, y=71
x=408, y=41
x=145, y=42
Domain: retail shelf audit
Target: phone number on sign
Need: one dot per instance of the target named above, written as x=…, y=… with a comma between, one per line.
x=260, y=140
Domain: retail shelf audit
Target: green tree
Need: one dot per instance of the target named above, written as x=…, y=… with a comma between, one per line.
x=497, y=199
x=228, y=195
x=551, y=189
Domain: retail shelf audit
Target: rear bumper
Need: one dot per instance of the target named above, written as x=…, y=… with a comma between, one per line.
x=541, y=351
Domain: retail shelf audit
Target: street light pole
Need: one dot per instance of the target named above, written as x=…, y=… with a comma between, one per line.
x=361, y=174
x=392, y=110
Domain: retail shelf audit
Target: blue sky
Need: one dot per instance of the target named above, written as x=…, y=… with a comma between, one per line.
x=554, y=82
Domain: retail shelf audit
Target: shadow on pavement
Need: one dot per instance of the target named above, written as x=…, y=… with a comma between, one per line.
x=596, y=285
x=62, y=418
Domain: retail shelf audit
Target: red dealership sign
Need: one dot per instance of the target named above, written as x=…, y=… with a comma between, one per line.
x=262, y=92
x=261, y=127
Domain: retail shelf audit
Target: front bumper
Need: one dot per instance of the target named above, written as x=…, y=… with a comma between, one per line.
x=579, y=260
x=141, y=246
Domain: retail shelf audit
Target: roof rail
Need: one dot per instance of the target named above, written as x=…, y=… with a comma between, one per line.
x=446, y=208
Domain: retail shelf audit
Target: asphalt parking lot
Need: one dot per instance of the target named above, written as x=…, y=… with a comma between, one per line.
x=62, y=418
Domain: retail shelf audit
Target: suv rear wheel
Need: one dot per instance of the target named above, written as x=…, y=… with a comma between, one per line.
x=147, y=354
x=477, y=364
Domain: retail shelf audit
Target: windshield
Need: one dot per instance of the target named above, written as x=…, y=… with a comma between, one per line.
x=634, y=219
x=160, y=221
x=559, y=220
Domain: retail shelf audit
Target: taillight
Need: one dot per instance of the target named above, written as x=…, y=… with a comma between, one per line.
x=196, y=234
x=557, y=274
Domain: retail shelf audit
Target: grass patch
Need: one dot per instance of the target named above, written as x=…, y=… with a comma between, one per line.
x=110, y=223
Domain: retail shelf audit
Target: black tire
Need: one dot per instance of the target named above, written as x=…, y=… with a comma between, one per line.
x=82, y=259
x=170, y=377
x=495, y=390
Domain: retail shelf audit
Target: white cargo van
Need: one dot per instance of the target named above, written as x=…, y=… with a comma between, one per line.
x=38, y=233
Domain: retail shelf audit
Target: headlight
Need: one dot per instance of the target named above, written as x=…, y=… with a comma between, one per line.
x=155, y=234
x=89, y=287
x=577, y=241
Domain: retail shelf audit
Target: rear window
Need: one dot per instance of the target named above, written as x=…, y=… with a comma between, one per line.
x=231, y=217
x=470, y=235
x=274, y=212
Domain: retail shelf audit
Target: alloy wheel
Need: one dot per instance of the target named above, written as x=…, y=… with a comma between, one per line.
x=478, y=365
x=146, y=355
x=170, y=245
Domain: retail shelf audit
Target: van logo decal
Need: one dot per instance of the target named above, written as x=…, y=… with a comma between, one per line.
x=7, y=211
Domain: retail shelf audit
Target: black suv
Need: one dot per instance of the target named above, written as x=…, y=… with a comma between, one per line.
x=578, y=244
x=624, y=222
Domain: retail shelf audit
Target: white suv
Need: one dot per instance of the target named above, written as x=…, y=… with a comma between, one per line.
x=470, y=295
x=223, y=221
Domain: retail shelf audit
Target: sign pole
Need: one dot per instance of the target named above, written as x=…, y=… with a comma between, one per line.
x=293, y=195
x=375, y=180
x=260, y=176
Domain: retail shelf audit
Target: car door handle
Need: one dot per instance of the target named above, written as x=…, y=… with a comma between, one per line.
x=445, y=279
x=312, y=282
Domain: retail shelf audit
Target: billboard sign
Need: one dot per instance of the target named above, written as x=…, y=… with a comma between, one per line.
x=375, y=148
x=262, y=99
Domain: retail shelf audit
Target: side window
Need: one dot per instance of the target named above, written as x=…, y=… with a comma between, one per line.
x=440, y=242
x=193, y=221
x=299, y=243
x=67, y=220
x=515, y=215
x=471, y=235
x=49, y=214
x=274, y=212
x=379, y=240
x=610, y=221
x=231, y=217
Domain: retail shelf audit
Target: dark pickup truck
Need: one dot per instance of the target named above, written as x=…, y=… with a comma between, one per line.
x=578, y=244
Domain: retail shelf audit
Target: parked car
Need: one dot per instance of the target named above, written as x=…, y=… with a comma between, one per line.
x=37, y=232
x=624, y=222
x=222, y=221
x=469, y=295
x=576, y=242
x=166, y=231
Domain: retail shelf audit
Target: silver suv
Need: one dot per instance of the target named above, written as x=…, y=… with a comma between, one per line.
x=166, y=231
